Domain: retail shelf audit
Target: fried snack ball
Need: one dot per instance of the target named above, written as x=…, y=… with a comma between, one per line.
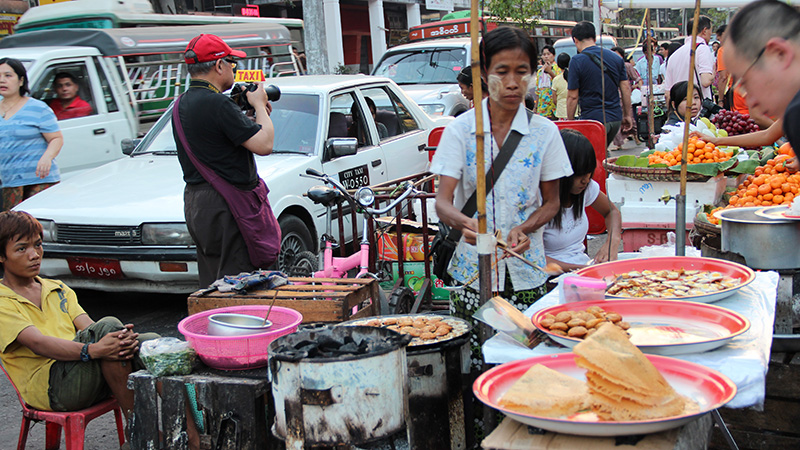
x=585, y=315
x=390, y=321
x=564, y=316
x=594, y=309
x=613, y=317
x=547, y=322
x=576, y=322
x=577, y=332
x=405, y=322
x=442, y=331
x=434, y=320
x=430, y=328
x=419, y=323
x=559, y=326
x=593, y=323
x=559, y=332
x=374, y=323
x=427, y=336
x=624, y=325
x=394, y=328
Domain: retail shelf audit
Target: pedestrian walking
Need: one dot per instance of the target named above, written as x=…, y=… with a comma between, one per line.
x=30, y=138
x=597, y=82
x=543, y=83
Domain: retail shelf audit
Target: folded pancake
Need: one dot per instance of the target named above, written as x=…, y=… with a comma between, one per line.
x=623, y=384
x=542, y=391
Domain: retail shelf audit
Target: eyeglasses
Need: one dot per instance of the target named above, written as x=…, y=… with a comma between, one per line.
x=232, y=62
x=739, y=83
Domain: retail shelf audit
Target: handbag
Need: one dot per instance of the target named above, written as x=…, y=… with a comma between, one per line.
x=444, y=243
x=250, y=208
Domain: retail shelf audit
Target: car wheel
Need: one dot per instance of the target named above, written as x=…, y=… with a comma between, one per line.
x=304, y=265
x=295, y=239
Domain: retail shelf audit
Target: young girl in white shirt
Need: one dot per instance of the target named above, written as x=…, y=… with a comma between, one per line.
x=565, y=233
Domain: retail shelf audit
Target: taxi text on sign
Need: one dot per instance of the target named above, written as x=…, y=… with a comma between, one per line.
x=249, y=76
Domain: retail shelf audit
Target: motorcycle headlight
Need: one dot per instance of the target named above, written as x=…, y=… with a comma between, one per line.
x=166, y=234
x=48, y=230
x=433, y=110
x=365, y=196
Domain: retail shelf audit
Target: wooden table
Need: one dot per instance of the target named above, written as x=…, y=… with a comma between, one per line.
x=512, y=435
x=237, y=409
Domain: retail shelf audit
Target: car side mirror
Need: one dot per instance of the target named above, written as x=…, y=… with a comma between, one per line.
x=339, y=146
x=128, y=145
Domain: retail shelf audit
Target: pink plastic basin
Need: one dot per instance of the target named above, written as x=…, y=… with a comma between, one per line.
x=238, y=352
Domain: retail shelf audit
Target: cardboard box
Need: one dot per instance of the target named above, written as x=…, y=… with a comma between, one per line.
x=412, y=247
x=415, y=275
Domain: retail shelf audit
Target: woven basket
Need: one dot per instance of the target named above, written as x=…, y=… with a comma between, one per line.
x=650, y=174
x=706, y=229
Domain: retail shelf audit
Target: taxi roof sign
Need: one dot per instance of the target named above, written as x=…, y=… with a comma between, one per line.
x=249, y=76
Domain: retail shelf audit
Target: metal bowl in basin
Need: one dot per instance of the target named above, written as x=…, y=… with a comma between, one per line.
x=232, y=324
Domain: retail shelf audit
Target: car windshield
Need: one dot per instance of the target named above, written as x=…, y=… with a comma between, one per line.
x=295, y=117
x=428, y=66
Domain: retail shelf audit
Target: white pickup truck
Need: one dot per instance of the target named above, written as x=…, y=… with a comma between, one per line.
x=129, y=76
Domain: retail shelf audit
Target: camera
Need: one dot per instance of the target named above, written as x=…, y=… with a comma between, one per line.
x=239, y=94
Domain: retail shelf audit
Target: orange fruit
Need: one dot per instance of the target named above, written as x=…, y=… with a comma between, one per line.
x=778, y=199
x=764, y=189
x=768, y=197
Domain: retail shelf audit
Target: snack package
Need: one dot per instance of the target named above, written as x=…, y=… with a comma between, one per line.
x=167, y=356
x=576, y=288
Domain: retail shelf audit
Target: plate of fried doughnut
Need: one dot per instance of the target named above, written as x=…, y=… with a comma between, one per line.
x=425, y=328
x=660, y=327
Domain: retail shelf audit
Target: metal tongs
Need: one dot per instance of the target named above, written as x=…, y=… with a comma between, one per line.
x=550, y=269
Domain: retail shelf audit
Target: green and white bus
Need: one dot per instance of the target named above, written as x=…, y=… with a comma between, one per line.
x=134, y=13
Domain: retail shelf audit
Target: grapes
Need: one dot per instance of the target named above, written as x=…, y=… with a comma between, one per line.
x=734, y=122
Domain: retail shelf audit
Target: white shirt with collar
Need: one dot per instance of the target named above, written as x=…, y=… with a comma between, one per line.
x=540, y=156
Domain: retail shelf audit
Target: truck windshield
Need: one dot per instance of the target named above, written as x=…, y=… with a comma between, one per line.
x=428, y=66
x=295, y=117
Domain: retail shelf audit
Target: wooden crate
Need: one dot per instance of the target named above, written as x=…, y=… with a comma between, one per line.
x=317, y=299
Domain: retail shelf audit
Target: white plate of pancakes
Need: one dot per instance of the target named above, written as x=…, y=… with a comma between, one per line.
x=660, y=327
x=708, y=388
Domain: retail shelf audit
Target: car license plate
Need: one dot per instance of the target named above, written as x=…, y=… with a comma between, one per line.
x=95, y=268
x=355, y=178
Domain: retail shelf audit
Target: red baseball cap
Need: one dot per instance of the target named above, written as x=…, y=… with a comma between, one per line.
x=208, y=47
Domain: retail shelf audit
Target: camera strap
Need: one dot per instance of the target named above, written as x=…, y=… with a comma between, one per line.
x=203, y=84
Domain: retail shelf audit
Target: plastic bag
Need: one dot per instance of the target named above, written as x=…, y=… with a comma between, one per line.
x=167, y=356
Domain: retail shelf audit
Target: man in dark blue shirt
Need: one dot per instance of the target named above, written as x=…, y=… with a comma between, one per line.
x=585, y=83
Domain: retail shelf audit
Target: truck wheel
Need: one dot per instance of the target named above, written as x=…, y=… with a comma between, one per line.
x=295, y=239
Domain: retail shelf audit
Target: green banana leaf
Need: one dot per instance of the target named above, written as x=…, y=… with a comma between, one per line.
x=748, y=166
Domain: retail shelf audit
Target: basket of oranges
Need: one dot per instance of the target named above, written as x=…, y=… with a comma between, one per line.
x=703, y=160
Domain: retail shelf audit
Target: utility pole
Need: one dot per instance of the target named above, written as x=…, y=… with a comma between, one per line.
x=314, y=35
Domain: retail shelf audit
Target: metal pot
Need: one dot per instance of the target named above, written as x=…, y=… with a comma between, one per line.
x=232, y=324
x=764, y=243
x=353, y=399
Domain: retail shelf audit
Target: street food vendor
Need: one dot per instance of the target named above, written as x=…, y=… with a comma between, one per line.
x=525, y=196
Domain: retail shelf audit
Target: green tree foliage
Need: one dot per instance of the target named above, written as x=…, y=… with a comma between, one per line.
x=521, y=12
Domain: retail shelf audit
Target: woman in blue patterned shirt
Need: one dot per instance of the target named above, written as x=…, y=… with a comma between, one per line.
x=526, y=195
x=29, y=138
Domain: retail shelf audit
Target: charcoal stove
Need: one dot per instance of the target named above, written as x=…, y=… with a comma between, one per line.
x=327, y=396
x=437, y=383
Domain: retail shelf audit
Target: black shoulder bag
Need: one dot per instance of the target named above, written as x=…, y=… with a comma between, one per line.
x=446, y=239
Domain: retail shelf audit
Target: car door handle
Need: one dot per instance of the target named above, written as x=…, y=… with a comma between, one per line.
x=99, y=131
x=422, y=147
x=377, y=163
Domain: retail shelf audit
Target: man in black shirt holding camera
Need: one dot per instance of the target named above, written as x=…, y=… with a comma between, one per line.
x=223, y=139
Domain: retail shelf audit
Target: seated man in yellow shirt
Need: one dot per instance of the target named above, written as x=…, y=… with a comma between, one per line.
x=57, y=356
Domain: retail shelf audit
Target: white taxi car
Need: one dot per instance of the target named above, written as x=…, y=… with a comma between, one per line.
x=120, y=227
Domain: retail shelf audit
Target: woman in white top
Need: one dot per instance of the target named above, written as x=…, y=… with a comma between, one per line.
x=564, y=235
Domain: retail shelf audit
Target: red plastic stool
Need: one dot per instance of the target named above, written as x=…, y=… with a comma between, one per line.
x=73, y=422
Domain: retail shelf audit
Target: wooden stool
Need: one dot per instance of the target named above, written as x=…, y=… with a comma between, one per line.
x=512, y=435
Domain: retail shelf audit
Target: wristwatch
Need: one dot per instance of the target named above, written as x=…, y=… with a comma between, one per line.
x=85, y=353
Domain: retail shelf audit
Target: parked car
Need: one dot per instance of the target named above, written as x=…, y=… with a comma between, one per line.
x=120, y=227
x=566, y=45
x=427, y=72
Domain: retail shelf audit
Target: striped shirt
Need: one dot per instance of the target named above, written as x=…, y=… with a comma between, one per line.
x=22, y=144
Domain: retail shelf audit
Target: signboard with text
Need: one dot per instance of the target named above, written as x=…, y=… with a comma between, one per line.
x=7, y=22
x=439, y=5
x=241, y=9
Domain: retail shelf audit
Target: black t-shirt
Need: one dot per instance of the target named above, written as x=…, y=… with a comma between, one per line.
x=215, y=129
x=791, y=122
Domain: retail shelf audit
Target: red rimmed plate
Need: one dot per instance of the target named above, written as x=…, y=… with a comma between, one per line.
x=662, y=327
x=709, y=388
x=610, y=270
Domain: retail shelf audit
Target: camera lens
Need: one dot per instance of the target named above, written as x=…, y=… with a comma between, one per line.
x=273, y=92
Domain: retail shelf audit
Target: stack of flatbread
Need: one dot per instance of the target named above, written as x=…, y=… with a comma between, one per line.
x=623, y=384
x=542, y=391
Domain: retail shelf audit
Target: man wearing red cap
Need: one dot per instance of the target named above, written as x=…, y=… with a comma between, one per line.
x=223, y=139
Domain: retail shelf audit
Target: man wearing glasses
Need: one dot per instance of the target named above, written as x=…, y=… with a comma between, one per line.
x=223, y=139
x=763, y=55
